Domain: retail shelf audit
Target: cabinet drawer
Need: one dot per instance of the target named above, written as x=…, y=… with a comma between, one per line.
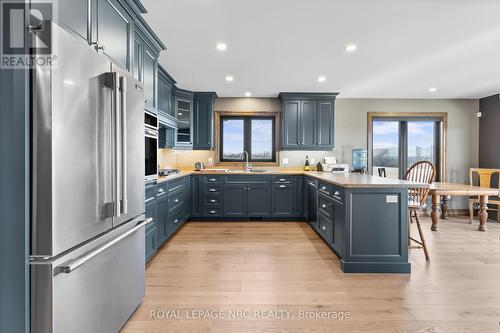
x=161, y=190
x=174, y=221
x=211, y=211
x=213, y=179
x=212, y=189
x=325, y=188
x=325, y=205
x=175, y=200
x=211, y=201
x=325, y=228
x=175, y=185
x=283, y=179
x=150, y=193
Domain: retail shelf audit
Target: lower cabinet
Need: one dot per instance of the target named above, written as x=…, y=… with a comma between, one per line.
x=150, y=243
x=258, y=200
x=338, y=227
x=234, y=200
x=161, y=218
x=282, y=200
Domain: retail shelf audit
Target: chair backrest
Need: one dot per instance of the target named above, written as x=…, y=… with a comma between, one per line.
x=381, y=172
x=420, y=172
x=484, y=177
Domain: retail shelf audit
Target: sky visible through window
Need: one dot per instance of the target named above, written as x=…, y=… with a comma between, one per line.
x=233, y=139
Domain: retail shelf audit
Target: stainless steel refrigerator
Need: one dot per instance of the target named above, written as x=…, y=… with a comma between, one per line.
x=87, y=266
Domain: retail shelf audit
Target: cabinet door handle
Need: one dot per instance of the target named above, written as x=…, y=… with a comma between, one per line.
x=323, y=205
x=337, y=193
x=176, y=200
x=282, y=179
x=176, y=220
x=211, y=180
x=146, y=101
x=323, y=227
x=211, y=190
x=212, y=201
x=212, y=212
x=282, y=186
x=323, y=188
x=161, y=190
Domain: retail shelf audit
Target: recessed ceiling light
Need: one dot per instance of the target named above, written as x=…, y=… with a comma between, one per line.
x=221, y=46
x=229, y=78
x=351, y=47
x=322, y=79
x=432, y=89
x=248, y=94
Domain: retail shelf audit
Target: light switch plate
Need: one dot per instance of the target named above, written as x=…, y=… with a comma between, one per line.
x=284, y=161
x=391, y=199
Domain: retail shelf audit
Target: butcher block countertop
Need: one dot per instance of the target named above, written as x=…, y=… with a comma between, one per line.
x=346, y=180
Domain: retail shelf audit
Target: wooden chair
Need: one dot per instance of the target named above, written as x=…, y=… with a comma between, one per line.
x=421, y=172
x=484, y=178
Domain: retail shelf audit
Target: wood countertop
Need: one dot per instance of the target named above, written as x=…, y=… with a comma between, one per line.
x=348, y=180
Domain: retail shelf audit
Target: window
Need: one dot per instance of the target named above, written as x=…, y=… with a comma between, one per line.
x=252, y=134
x=399, y=142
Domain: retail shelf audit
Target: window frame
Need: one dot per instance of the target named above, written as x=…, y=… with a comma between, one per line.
x=247, y=137
x=441, y=120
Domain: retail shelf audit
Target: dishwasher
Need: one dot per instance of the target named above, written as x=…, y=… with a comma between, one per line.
x=312, y=203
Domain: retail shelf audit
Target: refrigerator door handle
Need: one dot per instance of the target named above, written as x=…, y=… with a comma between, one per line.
x=118, y=151
x=123, y=137
x=83, y=259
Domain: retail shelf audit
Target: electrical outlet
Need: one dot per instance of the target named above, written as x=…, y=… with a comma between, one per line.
x=284, y=161
x=210, y=160
x=312, y=160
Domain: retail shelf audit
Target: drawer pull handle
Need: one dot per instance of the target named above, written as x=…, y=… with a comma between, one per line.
x=282, y=179
x=212, y=212
x=161, y=190
x=337, y=193
x=211, y=190
x=176, y=200
x=176, y=220
x=212, y=201
x=282, y=186
x=323, y=205
x=323, y=188
x=211, y=180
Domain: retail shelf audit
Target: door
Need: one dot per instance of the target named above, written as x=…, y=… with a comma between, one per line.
x=298, y=184
x=149, y=78
x=184, y=109
x=114, y=27
x=74, y=15
x=325, y=124
x=312, y=203
x=138, y=57
x=282, y=198
x=291, y=124
x=71, y=148
x=161, y=218
x=258, y=203
x=131, y=147
x=195, y=195
x=234, y=200
x=202, y=123
x=308, y=118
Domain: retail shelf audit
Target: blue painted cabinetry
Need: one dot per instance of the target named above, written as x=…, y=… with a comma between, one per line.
x=203, y=120
x=307, y=121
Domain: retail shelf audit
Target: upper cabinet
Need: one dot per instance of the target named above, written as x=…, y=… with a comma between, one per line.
x=203, y=119
x=184, y=113
x=307, y=121
x=166, y=98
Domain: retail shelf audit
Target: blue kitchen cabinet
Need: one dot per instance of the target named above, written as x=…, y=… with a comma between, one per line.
x=307, y=121
x=203, y=119
x=166, y=98
x=161, y=216
x=282, y=200
x=234, y=200
x=258, y=200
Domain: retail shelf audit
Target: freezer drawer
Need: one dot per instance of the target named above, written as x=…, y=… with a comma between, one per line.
x=99, y=294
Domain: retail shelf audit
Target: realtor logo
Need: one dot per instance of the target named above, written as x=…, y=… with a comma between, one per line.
x=25, y=37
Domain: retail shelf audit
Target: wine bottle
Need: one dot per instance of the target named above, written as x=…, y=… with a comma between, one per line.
x=307, y=167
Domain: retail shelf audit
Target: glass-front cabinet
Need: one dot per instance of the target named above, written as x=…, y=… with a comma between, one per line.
x=184, y=114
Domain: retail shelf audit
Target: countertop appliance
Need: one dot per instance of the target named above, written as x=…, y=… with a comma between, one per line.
x=330, y=164
x=198, y=166
x=166, y=172
x=87, y=251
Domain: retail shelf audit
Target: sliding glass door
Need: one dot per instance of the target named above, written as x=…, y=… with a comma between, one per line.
x=399, y=143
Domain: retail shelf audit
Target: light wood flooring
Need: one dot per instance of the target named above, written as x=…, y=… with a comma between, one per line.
x=257, y=267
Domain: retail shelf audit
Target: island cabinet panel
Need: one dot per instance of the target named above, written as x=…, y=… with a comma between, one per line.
x=375, y=231
x=282, y=200
x=258, y=200
x=234, y=200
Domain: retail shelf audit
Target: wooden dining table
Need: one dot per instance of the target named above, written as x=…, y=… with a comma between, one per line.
x=439, y=191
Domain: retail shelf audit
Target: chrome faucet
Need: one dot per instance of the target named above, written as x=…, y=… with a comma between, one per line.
x=247, y=167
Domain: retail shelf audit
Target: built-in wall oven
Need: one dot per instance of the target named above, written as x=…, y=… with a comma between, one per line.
x=151, y=141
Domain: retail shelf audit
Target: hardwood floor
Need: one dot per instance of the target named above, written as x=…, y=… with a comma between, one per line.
x=285, y=266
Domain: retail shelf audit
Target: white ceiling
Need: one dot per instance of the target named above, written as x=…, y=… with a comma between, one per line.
x=405, y=47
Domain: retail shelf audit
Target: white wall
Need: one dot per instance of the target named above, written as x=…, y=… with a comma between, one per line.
x=351, y=128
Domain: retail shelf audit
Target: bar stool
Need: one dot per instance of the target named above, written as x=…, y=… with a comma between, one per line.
x=421, y=172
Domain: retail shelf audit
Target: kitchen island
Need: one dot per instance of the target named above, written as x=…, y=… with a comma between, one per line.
x=364, y=219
